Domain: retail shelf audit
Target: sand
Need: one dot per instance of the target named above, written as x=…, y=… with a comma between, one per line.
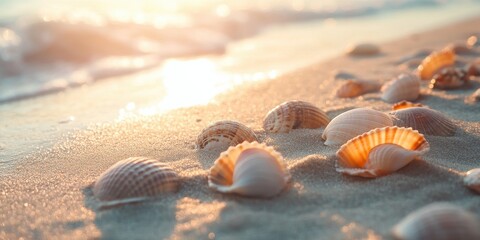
x=47, y=195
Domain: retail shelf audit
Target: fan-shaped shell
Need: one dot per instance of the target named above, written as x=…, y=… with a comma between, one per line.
x=249, y=169
x=355, y=88
x=363, y=49
x=366, y=155
x=224, y=133
x=135, y=177
x=434, y=62
x=438, y=221
x=405, y=104
x=473, y=98
x=425, y=120
x=292, y=115
x=404, y=87
x=353, y=123
x=472, y=179
x=449, y=78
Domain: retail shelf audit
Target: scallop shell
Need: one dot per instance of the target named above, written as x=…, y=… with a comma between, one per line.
x=224, y=133
x=449, y=78
x=292, y=115
x=434, y=62
x=473, y=98
x=355, y=88
x=363, y=49
x=353, y=123
x=405, y=104
x=438, y=221
x=249, y=169
x=133, y=178
x=380, y=151
x=404, y=87
x=472, y=179
x=425, y=120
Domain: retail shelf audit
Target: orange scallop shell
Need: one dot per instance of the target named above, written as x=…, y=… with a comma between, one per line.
x=434, y=62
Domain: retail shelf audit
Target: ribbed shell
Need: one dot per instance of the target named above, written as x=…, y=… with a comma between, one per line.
x=353, y=123
x=449, y=78
x=434, y=62
x=404, y=87
x=224, y=133
x=293, y=115
x=425, y=120
x=249, y=169
x=353, y=156
x=472, y=179
x=135, y=177
x=405, y=104
x=355, y=88
x=438, y=221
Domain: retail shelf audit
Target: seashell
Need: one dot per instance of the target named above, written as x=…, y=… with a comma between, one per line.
x=473, y=98
x=363, y=49
x=434, y=62
x=380, y=151
x=293, y=115
x=249, y=169
x=135, y=177
x=353, y=123
x=355, y=88
x=404, y=87
x=438, y=221
x=224, y=133
x=472, y=179
x=405, y=104
x=449, y=78
x=425, y=120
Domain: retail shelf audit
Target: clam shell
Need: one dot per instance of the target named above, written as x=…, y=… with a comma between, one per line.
x=405, y=104
x=472, y=179
x=363, y=49
x=135, y=177
x=353, y=123
x=425, y=120
x=293, y=115
x=404, y=87
x=449, y=78
x=380, y=151
x=224, y=133
x=434, y=62
x=249, y=169
x=473, y=98
x=438, y=221
x=355, y=88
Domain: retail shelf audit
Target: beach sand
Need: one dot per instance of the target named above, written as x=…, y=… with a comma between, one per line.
x=47, y=195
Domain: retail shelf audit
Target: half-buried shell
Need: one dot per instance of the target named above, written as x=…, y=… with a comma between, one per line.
x=355, y=88
x=472, y=179
x=434, y=63
x=449, y=78
x=425, y=120
x=223, y=134
x=380, y=151
x=405, y=104
x=404, y=87
x=249, y=169
x=293, y=115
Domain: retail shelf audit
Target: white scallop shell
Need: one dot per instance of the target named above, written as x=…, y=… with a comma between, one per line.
x=355, y=88
x=363, y=49
x=293, y=115
x=353, y=123
x=380, y=151
x=224, y=133
x=404, y=87
x=249, y=169
x=425, y=120
x=438, y=221
x=472, y=179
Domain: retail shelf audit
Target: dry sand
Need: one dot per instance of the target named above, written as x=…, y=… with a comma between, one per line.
x=46, y=197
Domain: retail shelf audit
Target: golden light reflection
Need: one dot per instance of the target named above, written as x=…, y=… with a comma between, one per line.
x=194, y=215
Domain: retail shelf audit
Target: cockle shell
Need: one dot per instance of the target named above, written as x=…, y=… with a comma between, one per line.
x=249, y=169
x=404, y=87
x=425, y=120
x=449, y=78
x=405, y=104
x=472, y=179
x=135, y=177
x=473, y=98
x=438, y=221
x=292, y=115
x=353, y=123
x=224, y=133
x=434, y=62
x=355, y=88
x=363, y=49
x=380, y=151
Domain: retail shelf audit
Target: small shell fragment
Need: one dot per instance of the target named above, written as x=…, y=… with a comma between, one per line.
x=404, y=87
x=449, y=78
x=472, y=179
x=293, y=115
x=224, y=133
x=363, y=49
x=473, y=98
x=425, y=120
x=355, y=88
x=434, y=63
x=405, y=104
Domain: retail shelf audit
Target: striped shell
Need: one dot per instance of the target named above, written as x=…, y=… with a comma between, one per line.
x=380, y=151
x=438, y=221
x=224, y=133
x=425, y=120
x=472, y=179
x=249, y=169
x=404, y=87
x=449, y=78
x=133, y=178
x=353, y=123
x=473, y=98
x=434, y=62
x=355, y=88
x=405, y=104
x=363, y=49
x=293, y=115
